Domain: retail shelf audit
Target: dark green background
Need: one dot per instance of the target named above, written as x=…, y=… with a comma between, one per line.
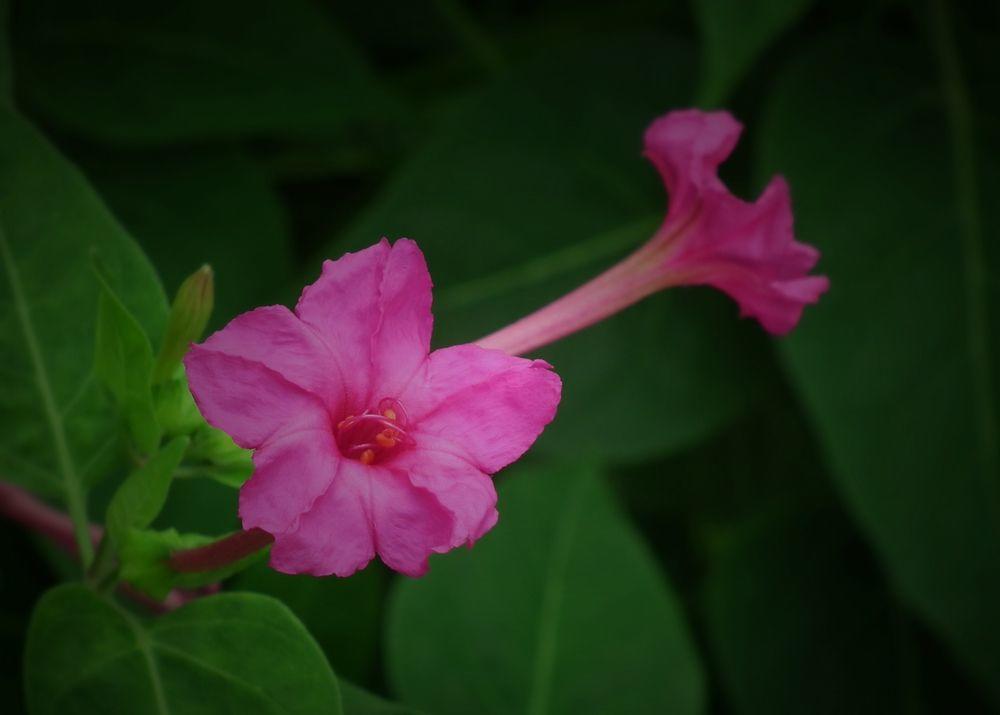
x=718, y=521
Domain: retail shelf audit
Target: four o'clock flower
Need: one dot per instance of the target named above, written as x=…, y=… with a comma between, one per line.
x=364, y=441
x=709, y=237
x=367, y=443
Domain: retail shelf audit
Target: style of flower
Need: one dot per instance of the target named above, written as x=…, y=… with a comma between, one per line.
x=709, y=237
x=364, y=441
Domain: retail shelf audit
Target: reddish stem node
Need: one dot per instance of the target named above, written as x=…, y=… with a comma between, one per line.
x=221, y=553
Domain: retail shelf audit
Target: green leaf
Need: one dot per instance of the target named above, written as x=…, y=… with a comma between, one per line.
x=886, y=362
x=798, y=622
x=193, y=208
x=139, y=499
x=535, y=184
x=134, y=73
x=176, y=411
x=6, y=68
x=337, y=611
x=233, y=653
x=144, y=555
x=189, y=314
x=55, y=425
x=357, y=701
x=734, y=34
x=561, y=609
x=215, y=455
x=123, y=361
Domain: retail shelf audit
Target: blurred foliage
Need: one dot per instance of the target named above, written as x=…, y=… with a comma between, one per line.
x=713, y=523
x=561, y=611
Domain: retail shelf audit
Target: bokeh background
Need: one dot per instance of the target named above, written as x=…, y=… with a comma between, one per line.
x=718, y=521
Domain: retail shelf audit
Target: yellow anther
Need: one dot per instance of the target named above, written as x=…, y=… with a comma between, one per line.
x=386, y=438
x=389, y=413
x=368, y=456
x=340, y=425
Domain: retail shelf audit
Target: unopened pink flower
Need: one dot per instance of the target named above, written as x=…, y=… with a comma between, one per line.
x=364, y=441
x=709, y=237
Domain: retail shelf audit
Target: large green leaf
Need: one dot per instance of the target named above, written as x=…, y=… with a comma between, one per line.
x=194, y=208
x=895, y=364
x=138, y=73
x=561, y=609
x=231, y=653
x=533, y=185
x=798, y=622
x=55, y=426
x=344, y=615
x=734, y=34
x=360, y=702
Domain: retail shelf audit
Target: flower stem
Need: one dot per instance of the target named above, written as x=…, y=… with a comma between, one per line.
x=622, y=285
x=220, y=553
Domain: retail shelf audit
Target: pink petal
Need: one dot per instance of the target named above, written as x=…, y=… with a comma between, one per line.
x=489, y=407
x=291, y=471
x=747, y=250
x=248, y=401
x=403, y=340
x=458, y=485
x=335, y=536
x=373, y=308
x=687, y=147
x=275, y=337
x=366, y=509
x=410, y=523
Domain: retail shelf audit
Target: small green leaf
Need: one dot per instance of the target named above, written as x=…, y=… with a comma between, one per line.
x=230, y=653
x=144, y=563
x=735, y=33
x=215, y=455
x=189, y=314
x=176, y=410
x=123, y=361
x=560, y=609
x=144, y=492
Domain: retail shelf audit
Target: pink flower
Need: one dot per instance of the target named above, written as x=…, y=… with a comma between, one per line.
x=748, y=251
x=709, y=237
x=364, y=441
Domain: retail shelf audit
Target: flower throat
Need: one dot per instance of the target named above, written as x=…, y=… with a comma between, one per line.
x=376, y=434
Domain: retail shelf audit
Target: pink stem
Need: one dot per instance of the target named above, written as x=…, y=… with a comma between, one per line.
x=19, y=505
x=220, y=553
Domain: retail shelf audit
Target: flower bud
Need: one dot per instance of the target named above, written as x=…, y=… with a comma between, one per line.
x=188, y=316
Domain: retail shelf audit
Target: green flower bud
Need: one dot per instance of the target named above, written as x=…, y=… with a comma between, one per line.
x=188, y=317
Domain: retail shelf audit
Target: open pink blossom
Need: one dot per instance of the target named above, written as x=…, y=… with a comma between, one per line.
x=364, y=441
x=709, y=237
